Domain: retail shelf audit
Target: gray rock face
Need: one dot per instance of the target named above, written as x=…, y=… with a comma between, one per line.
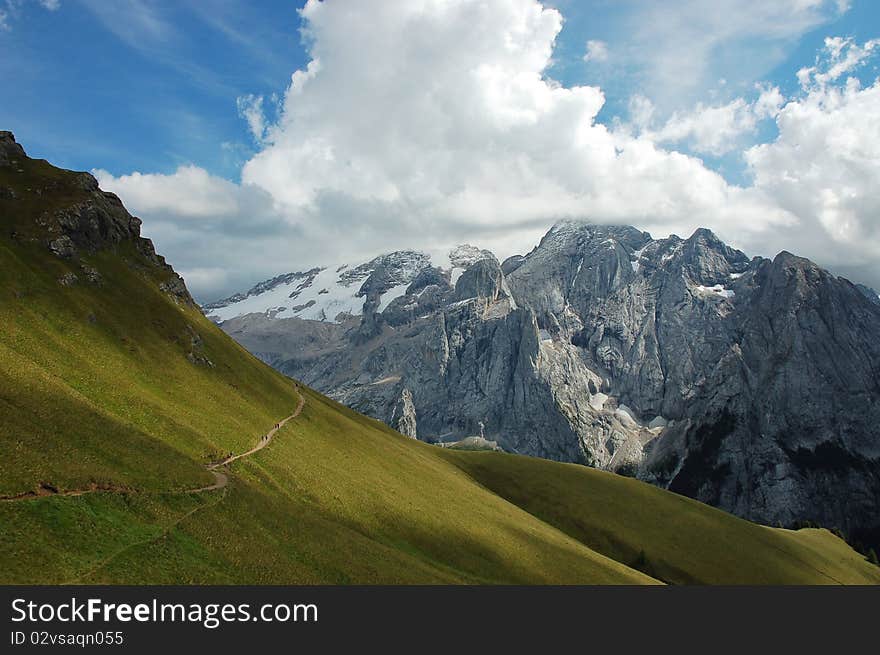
x=869, y=293
x=750, y=384
x=483, y=279
x=405, y=415
x=512, y=263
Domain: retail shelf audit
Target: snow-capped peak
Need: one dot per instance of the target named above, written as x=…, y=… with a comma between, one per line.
x=463, y=257
x=329, y=293
x=466, y=255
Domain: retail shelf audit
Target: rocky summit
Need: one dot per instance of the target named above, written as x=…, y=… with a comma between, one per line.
x=74, y=219
x=747, y=383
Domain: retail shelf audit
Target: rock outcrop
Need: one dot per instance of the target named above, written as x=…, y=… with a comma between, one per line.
x=404, y=415
x=87, y=221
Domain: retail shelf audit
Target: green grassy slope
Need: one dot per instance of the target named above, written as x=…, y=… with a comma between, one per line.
x=96, y=384
x=673, y=538
x=334, y=498
x=97, y=390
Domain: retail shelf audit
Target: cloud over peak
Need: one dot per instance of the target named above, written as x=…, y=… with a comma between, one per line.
x=445, y=110
x=426, y=123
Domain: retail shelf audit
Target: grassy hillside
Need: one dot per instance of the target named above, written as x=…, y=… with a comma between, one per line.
x=96, y=384
x=112, y=385
x=671, y=537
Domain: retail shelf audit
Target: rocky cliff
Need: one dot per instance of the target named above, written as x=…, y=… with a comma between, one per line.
x=751, y=384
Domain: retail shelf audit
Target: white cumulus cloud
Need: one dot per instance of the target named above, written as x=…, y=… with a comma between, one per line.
x=840, y=56
x=190, y=192
x=426, y=123
x=714, y=129
x=824, y=168
x=443, y=113
x=596, y=51
x=218, y=234
x=681, y=45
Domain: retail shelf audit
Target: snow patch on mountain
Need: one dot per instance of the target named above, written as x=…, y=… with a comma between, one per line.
x=637, y=259
x=463, y=257
x=466, y=255
x=626, y=416
x=598, y=400
x=394, y=292
x=718, y=290
x=329, y=293
x=317, y=297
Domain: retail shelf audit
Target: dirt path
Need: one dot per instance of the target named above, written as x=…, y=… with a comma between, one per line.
x=221, y=479
x=46, y=490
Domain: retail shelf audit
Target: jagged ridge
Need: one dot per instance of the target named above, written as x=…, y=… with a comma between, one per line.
x=681, y=361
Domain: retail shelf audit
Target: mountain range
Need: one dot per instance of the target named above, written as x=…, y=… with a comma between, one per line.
x=140, y=444
x=751, y=384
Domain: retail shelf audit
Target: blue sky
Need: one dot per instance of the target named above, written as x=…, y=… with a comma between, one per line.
x=146, y=86
x=123, y=92
x=129, y=90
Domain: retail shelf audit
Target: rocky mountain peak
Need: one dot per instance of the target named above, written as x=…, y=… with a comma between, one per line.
x=80, y=221
x=680, y=361
x=705, y=235
x=10, y=150
x=465, y=255
x=395, y=267
x=572, y=235
x=790, y=262
x=709, y=261
x=797, y=274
